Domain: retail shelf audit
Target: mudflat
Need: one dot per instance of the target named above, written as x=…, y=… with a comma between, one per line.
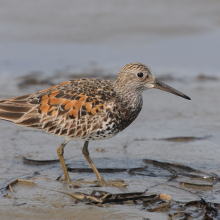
x=171, y=137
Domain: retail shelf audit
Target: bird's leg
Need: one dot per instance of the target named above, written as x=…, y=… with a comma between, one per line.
x=100, y=179
x=60, y=151
x=85, y=152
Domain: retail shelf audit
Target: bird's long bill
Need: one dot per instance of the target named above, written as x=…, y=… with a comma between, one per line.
x=163, y=86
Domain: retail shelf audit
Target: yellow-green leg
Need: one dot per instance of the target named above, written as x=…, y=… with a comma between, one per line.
x=60, y=152
x=100, y=179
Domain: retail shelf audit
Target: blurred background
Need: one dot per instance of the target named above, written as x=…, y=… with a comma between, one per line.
x=74, y=36
x=43, y=43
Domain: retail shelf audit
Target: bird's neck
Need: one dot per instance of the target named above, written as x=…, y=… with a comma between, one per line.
x=129, y=96
x=130, y=104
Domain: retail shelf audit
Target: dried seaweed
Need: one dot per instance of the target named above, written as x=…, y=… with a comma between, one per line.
x=195, y=185
x=106, y=197
x=27, y=160
x=183, y=170
x=24, y=181
x=199, y=209
x=9, y=185
x=160, y=199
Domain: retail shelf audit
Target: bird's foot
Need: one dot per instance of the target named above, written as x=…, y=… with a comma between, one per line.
x=112, y=183
x=71, y=184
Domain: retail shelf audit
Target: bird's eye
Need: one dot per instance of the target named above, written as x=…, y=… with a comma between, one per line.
x=140, y=74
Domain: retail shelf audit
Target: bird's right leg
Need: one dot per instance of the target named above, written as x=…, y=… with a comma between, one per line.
x=60, y=151
x=100, y=179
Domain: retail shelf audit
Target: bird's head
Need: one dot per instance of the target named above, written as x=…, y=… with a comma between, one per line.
x=138, y=77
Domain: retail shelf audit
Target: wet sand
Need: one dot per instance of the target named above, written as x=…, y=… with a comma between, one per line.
x=163, y=115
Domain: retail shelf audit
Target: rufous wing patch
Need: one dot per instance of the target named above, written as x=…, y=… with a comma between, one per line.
x=70, y=103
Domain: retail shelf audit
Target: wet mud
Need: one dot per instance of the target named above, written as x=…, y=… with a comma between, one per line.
x=168, y=156
x=159, y=188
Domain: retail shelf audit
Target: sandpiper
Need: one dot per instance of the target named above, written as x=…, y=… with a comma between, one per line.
x=85, y=109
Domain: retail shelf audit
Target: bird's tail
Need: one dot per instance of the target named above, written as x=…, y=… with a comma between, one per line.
x=13, y=109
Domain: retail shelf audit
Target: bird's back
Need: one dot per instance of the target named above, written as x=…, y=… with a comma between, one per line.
x=79, y=109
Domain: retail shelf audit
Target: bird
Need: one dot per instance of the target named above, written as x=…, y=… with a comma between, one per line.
x=86, y=109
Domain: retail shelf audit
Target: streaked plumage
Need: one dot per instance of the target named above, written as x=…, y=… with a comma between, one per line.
x=87, y=109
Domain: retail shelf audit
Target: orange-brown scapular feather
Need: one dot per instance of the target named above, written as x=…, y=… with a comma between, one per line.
x=52, y=108
x=45, y=101
x=44, y=109
x=73, y=112
x=83, y=97
x=54, y=112
x=44, y=104
x=55, y=101
x=88, y=106
x=93, y=111
x=78, y=105
x=64, y=102
x=70, y=104
x=44, y=97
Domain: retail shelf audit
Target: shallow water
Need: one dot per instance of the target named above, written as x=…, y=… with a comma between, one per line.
x=178, y=49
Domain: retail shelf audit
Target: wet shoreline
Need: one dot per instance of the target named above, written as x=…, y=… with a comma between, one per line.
x=171, y=148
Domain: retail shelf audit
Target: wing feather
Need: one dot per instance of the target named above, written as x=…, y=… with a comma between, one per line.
x=64, y=109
